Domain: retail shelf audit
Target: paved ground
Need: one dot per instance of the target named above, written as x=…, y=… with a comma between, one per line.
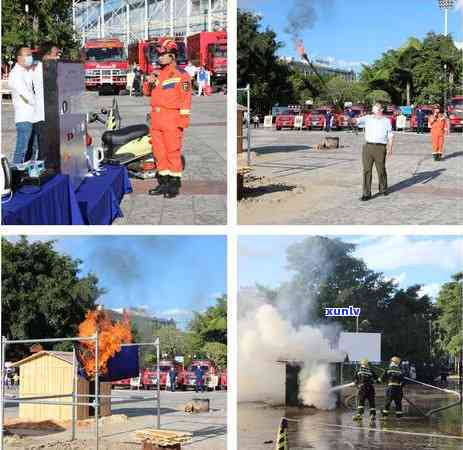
x=335, y=430
x=209, y=429
x=294, y=183
x=203, y=198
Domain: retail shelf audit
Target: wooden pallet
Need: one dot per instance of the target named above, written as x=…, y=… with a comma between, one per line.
x=163, y=438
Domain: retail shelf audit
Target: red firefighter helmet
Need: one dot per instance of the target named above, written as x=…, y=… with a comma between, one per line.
x=166, y=45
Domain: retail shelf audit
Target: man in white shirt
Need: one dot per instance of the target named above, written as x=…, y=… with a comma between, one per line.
x=191, y=69
x=379, y=138
x=49, y=52
x=22, y=93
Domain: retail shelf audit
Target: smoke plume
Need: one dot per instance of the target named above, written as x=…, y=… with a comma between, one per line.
x=303, y=16
x=265, y=338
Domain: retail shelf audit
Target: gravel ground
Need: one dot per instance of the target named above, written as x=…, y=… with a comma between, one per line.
x=209, y=429
x=294, y=183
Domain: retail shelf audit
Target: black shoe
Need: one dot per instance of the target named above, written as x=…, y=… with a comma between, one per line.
x=162, y=187
x=173, y=187
x=435, y=156
x=385, y=193
x=365, y=198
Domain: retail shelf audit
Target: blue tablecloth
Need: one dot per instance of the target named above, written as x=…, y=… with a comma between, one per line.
x=99, y=197
x=96, y=202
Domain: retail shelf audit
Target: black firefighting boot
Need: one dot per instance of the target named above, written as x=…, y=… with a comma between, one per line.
x=162, y=186
x=173, y=187
x=435, y=156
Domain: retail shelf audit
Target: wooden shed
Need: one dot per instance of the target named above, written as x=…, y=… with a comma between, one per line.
x=51, y=373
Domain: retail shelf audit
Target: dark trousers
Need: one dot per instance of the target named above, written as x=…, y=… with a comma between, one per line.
x=172, y=384
x=420, y=128
x=374, y=154
x=366, y=392
x=38, y=141
x=394, y=394
x=199, y=385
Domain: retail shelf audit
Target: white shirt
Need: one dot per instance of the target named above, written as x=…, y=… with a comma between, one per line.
x=190, y=70
x=378, y=130
x=20, y=83
x=37, y=80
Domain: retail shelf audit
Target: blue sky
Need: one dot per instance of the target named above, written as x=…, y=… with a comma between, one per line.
x=355, y=31
x=171, y=276
x=426, y=260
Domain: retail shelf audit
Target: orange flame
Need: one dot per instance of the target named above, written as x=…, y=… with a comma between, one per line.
x=110, y=337
x=299, y=44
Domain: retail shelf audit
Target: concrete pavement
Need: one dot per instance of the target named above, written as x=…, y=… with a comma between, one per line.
x=294, y=183
x=203, y=196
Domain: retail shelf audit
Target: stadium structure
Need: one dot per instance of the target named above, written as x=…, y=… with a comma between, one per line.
x=131, y=20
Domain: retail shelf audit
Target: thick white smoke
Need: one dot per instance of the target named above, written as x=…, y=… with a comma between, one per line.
x=265, y=337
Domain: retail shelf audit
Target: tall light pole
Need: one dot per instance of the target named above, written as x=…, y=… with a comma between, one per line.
x=446, y=5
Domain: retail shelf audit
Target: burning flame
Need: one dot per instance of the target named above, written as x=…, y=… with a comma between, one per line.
x=110, y=337
x=299, y=45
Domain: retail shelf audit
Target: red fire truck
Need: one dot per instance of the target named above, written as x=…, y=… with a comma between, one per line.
x=210, y=372
x=149, y=376
x=455, y=110
x=144, y=54
x=106, y=65
x=209, y=49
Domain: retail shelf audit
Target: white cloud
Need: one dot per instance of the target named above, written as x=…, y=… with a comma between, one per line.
x=392, y=253
x=432, y=290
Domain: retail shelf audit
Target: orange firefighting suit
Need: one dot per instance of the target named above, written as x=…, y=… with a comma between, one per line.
x=170, y=115
x=438, y=129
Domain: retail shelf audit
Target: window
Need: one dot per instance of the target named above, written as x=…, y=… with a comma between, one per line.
x=105, y=53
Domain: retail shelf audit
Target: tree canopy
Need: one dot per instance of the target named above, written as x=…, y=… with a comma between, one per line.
x=44, y=294
x=47, y=20
x=449, y=302
x=327, y=274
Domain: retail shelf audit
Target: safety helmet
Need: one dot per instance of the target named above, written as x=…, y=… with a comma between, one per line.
x=396, y=360
x=166, y=45
x=364, y=362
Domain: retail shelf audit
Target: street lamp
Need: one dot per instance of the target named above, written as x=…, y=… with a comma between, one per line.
x=446, y=5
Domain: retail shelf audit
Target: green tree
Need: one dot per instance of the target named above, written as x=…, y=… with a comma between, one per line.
x=47, y=20
x=377, y=96
x=217, y=352
x=327, y=274
x=172, y=341
x=211, y=326
x=418, y=72
x=449, y=302
x=44, y=295
x=259, y=65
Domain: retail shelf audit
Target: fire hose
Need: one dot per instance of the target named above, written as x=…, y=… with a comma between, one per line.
x=425, y=414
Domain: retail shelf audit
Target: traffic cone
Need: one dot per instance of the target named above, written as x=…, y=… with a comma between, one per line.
x=282, y=437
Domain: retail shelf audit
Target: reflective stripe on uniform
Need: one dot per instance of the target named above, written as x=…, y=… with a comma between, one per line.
x=171, y=81
x=164, y=172
x=176, y=174
x=184, y=112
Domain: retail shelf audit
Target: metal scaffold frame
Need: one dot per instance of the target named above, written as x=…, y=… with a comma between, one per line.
x=75, y=402
x=131, y=20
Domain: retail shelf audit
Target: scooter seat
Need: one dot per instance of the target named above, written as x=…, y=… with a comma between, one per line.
x=116, y=138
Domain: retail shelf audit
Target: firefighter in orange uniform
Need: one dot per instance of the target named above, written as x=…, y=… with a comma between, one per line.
x=170, y=115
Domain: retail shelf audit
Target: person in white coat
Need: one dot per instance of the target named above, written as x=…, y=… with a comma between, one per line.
x=23, y=97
